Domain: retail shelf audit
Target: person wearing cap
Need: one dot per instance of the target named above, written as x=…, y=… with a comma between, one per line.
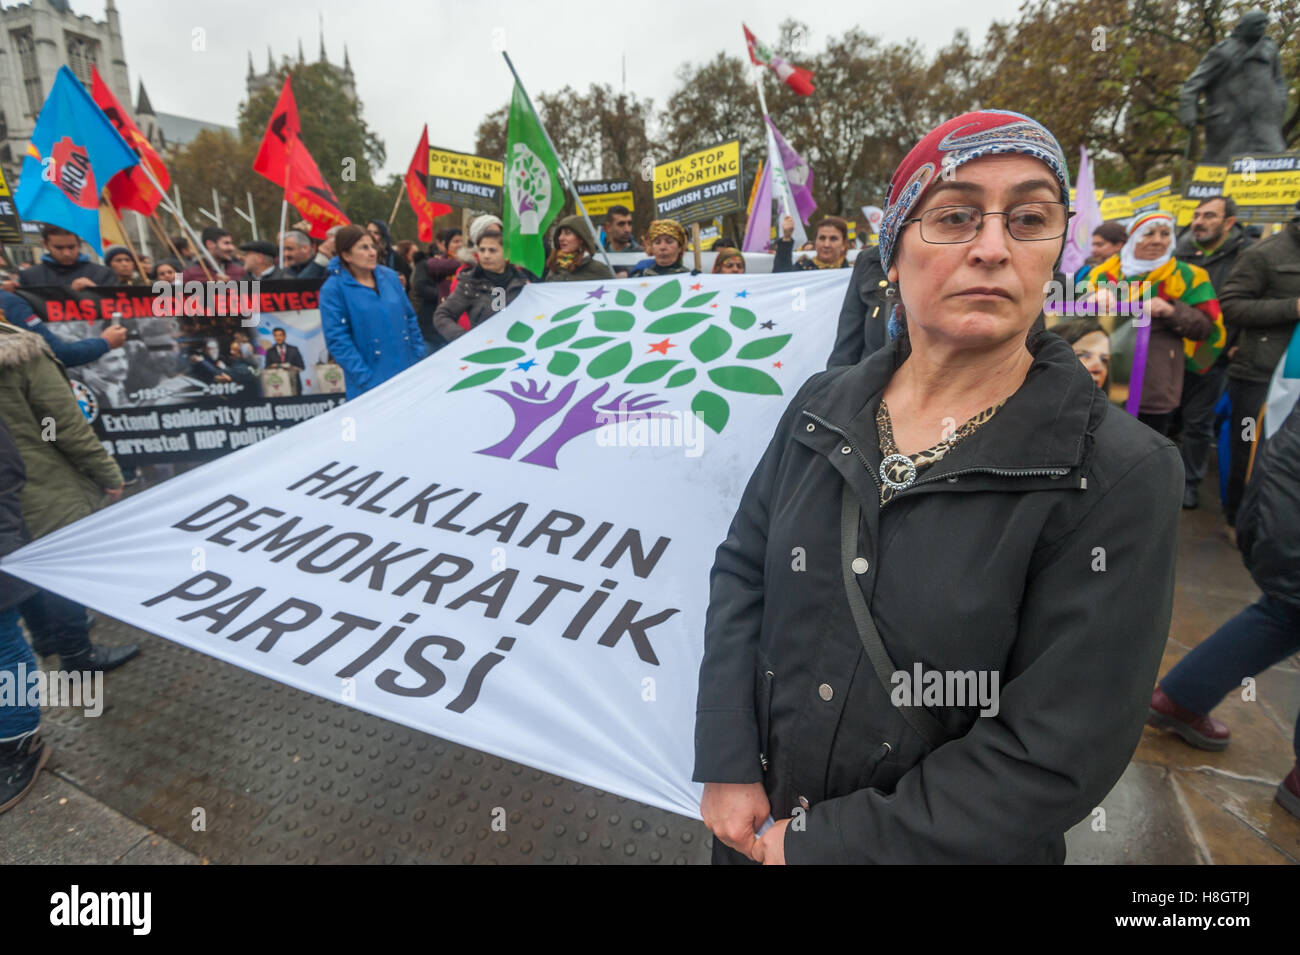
x=945, y=499
x=484, y=289
x=665, y=240
x=119, y=259
x=259, y=260
x=1187, y=332
x=572, y=259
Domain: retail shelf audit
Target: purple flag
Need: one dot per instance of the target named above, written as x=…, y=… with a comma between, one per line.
x=758, y=231
x=799, y=174
x=1087, y=216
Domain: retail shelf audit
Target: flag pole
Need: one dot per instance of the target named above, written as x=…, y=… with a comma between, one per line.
x=564, y=171
x=160, y=230
x=200, y=249
x=139, y=267
x=284, y=213
x=401, y=188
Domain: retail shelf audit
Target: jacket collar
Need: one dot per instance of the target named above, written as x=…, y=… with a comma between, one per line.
x=1044, y=424
x=48, y=259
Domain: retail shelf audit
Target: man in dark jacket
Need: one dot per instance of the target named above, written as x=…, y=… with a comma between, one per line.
x=64, y=264
x=864, y=316
x=222, y=249
x=788, y=696
x=831, y=243
x=1261, y=301
x=302, y=261
x=1213, y=242
x=1266, y=632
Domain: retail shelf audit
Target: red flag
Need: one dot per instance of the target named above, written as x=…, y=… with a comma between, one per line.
x=795, y=77
x=284, y=159
x=130, y=188
x=417, y=189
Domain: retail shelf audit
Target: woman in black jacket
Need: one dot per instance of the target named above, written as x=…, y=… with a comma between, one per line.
x=934, y=621
x=1266, y=632
x=482, y=291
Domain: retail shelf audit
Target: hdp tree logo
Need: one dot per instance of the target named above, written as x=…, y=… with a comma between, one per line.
x=699, y=352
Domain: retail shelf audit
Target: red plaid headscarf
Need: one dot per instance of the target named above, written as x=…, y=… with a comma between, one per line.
x=958, y=141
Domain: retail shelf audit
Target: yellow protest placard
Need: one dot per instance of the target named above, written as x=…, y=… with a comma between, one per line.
x=699, y=186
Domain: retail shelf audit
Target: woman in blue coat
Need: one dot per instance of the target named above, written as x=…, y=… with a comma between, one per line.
x=369, y=325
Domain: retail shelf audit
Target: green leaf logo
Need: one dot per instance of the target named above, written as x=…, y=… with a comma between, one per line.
x=563, y=363
x=615, y=321
x=493, y=356
x=677, y=322
x=742, y=318
x=665, y=295
x=710, y=345
x=749, y=380
x=683, y=377
x=611, y=361
x=713, y=409
x=569, y=312
x=763, y=347
x=624, y=297
x=560, y=333
x=650, y=371
x=478, y=378
x=519, y=332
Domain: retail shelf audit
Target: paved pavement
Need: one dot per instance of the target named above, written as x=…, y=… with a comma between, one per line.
x=197, y=761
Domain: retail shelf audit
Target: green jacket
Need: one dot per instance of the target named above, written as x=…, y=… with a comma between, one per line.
x=67, y=467
x=1260, y=298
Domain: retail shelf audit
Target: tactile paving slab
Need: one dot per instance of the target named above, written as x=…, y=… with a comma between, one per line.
x=240, y=769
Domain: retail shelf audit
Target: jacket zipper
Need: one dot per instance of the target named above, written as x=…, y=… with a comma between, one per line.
x=1000, y=472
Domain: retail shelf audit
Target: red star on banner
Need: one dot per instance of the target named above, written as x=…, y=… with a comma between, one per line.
x=695, y=287
x=714, y=305
x=776, y=364
x=463, y=367
x=662, y=347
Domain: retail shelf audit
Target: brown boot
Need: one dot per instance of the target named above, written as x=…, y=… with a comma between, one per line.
x=1196, y=729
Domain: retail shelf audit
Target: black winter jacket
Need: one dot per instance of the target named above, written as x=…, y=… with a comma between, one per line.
x=476, y=294
x=864, y=316
x=49, y=272
x=1268, y=522
x=1218, y=265
x=1041, y=549
x=1259, y=301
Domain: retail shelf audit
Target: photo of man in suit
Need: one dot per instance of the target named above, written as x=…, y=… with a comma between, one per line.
x=281, y=355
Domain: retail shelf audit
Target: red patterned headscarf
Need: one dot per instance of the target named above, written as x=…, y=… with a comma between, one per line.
x=969, y=136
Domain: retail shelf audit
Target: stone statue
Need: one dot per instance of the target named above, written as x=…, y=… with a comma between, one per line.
x=1245, y=93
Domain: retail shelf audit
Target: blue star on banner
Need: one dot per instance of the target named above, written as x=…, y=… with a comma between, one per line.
x=743, y=293
x=526, y=365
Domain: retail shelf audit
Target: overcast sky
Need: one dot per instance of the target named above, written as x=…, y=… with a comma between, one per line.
x=433, y=61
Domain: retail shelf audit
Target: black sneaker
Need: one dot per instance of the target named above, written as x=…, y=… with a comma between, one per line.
x=20, y=761
x=99, y=658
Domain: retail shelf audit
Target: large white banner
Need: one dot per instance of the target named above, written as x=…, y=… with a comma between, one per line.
x=508, y=545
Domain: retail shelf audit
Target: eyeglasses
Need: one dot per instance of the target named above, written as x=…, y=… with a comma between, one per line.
x=1026, y=222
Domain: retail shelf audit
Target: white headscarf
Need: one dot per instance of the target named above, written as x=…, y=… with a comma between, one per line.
x=1130, y=265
